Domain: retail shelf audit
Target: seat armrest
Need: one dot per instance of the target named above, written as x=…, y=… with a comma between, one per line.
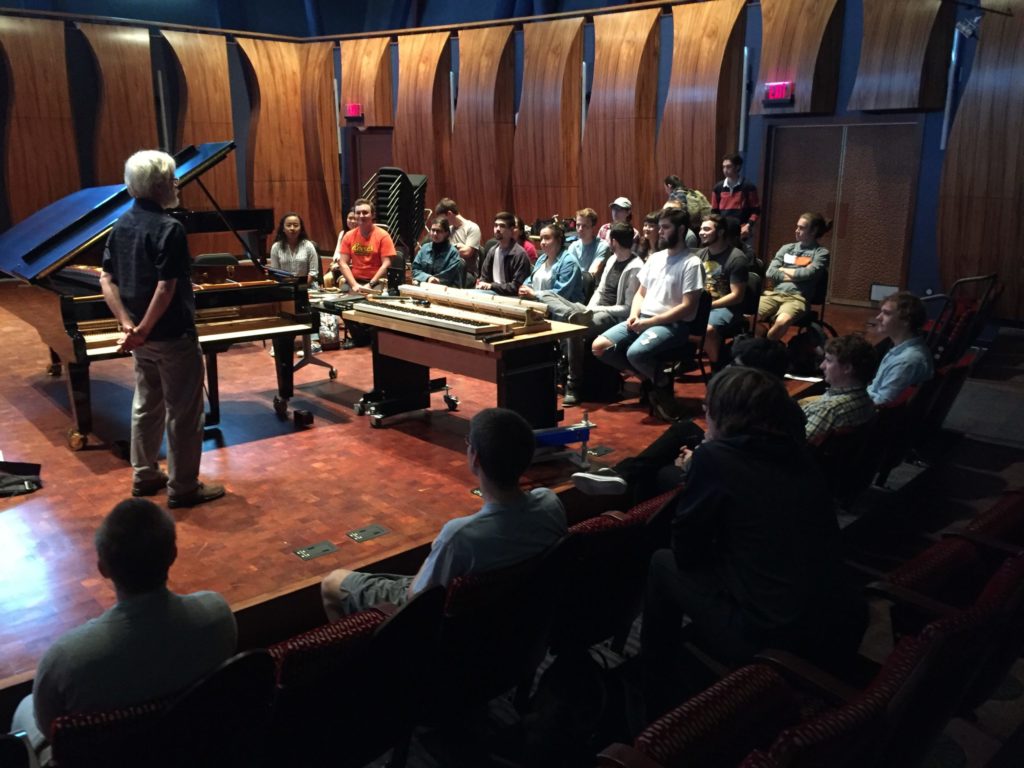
x=624, y=756
x=806, y=675
x=984, y=541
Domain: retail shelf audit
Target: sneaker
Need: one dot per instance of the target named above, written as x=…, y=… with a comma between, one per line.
x=580, y=317
x=315, y=347
x=602, y=482
x=570, y=397
x=149, y=487
x=204, y=493
x=348, y=344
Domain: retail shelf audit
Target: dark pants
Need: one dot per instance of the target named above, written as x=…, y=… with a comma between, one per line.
x=671, y=675
x=653, y=470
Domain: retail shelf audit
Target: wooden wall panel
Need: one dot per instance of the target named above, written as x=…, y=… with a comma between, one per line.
x=800, y=43
x=319, y=118
x=701, y=118
x=618, y=138
x=484, y=129
x=204, y=114
x=546, y=171
x=980, y=227
x=903, y=55
x=422, y=139
x=126, y=112
x=366, y=78
x=38, y=155
x=285, y=165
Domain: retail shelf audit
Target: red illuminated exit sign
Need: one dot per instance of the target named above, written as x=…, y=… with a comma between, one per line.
x=778, y=94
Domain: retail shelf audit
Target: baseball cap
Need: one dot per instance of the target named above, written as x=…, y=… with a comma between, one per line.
x=621, y=202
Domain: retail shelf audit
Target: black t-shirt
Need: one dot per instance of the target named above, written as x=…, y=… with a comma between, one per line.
x=611, y=286
x=146, y=246
x=720, y=271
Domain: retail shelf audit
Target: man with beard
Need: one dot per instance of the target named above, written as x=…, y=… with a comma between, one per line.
x=726, y=271
x=506, y=265
x=671, y=282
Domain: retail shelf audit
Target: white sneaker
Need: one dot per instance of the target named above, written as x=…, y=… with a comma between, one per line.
x=602, y=482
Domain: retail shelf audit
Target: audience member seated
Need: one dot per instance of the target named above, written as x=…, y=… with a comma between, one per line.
x=622, y=211
x=671, y=282
x=900, y=319
x=523, y=238
x=795, y=272
x=464, y=234
x=726, y=272
x=556, y=270
x=506, y=265
x=609, y=304
x=438, y=261
x=152, y=643
x=590, y=250
x=691, y=239
x=647, y=242
x=363, y=254
x=293, y=251
x=512, y=526
x=663, y=464
x=848, y=365
x=755, y=557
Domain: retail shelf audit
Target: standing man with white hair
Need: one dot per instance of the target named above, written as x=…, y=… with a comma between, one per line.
x=145, y=282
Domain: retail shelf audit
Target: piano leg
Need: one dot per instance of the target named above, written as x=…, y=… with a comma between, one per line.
x=81, y=405
x=212, y=417
x=53, y=369
x=284, y=347
x=528, y=383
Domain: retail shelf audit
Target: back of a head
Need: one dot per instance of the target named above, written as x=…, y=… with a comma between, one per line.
x=446, y=205
x=622, y=234
x=745, y=401
x=503, y=442
x=149, y=175
x=136, y=545
x=761, y=353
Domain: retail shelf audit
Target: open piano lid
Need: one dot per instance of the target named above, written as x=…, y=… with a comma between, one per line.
x=53, y=236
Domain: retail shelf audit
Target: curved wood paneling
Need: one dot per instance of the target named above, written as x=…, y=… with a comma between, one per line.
x=701, y=118
x=126, y=112
x=40, y=162
x=484, y=129
x=903, y=54
x=546, y=171
x=618, y=139
x=319, y=118
x=204, y=114
x=980, y=227
x=285, y=163
x=366, y=78
x=422, y=139
x=801, y=42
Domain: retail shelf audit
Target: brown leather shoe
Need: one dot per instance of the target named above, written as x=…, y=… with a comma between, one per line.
x=149, y=487
x=204, y=493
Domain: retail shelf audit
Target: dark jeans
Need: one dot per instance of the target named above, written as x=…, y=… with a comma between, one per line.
x=653, y=470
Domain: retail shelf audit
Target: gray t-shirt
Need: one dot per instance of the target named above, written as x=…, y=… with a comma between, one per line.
x=145, y=647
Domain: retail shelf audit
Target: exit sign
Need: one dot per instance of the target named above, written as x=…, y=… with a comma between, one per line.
x=778, y=94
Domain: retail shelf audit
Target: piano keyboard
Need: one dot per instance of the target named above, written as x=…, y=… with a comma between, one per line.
x=449, y=318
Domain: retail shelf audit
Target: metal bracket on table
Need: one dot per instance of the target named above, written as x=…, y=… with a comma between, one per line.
x=552, y=442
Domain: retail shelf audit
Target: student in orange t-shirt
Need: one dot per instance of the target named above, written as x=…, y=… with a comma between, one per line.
x=363, y=254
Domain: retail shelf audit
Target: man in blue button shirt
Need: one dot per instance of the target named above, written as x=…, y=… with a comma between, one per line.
x=909, y=362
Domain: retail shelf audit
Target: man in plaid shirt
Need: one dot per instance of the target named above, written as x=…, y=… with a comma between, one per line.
x=848, y=366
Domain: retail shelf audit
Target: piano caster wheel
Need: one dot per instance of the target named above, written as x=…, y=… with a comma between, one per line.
x=76, y=440
x=53, y=369
x=452, y=402
x=376, y=422
x=332, y=374
x=358, y=408
x=281, y=407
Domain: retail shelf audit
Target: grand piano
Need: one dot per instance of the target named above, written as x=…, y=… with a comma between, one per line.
x=58, y=250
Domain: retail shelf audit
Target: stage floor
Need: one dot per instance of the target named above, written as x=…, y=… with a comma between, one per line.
x=287, y=487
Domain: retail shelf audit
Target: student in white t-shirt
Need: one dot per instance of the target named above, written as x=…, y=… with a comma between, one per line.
x=671, y=282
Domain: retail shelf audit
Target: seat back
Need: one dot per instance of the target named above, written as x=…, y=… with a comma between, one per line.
x=493, y=631
x=848, y=458
x=223, y=719
x=16, y=751
x=215, y=258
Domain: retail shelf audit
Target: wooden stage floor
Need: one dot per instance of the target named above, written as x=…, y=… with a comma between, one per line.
x=287, y=487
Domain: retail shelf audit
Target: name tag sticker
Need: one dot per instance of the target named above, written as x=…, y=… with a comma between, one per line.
x=789, y=258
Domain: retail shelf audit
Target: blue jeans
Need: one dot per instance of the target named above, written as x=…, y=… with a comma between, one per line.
x=639, y=351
